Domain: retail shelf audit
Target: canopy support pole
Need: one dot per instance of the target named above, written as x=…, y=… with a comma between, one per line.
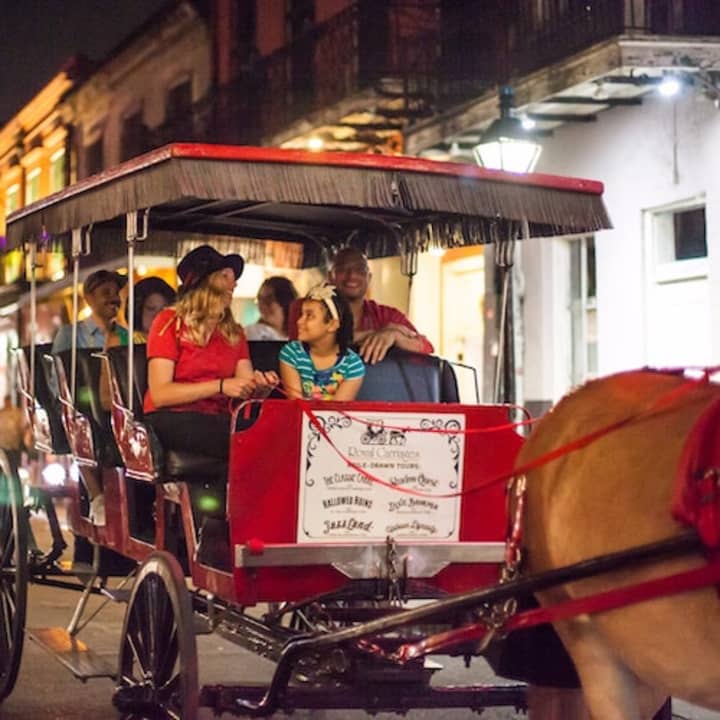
x=76, y=251
x=504, y=387
x=32, y=254
x=133, y=235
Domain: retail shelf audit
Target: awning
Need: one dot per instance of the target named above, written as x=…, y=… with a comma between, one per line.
x=317, y=199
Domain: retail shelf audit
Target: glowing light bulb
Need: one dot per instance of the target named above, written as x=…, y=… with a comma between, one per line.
x=669, y=87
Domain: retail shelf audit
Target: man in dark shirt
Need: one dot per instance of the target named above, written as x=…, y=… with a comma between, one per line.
x=377, y=327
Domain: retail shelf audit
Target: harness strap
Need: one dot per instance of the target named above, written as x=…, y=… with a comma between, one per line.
x=686, y=581
x=660, y=405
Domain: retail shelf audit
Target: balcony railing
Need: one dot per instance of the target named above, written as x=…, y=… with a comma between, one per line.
x=429, y=54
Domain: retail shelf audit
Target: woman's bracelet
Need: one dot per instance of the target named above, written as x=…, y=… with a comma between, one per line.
x=222, y=380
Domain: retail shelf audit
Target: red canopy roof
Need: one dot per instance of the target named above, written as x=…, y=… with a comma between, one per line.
x=317, y=197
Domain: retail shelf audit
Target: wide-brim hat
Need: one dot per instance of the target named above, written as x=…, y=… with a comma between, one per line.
x=204, y=261
x=99, y=277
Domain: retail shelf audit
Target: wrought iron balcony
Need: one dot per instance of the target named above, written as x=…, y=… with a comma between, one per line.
x=422, y=57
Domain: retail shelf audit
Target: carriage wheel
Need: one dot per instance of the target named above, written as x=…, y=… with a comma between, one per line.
x=157, y=669
x=13, y=576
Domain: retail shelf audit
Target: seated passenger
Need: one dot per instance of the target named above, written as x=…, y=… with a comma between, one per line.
x=376, y=327
x=274, y=298
x=320, y=365
x=101, y=291
x=198, y=359
x=152, y=294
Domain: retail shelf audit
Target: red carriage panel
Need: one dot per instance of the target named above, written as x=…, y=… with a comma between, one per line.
x=293, y=539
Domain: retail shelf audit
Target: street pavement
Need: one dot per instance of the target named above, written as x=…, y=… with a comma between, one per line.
x=47, y=691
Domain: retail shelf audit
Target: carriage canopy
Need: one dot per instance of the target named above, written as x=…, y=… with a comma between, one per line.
x=318, y=199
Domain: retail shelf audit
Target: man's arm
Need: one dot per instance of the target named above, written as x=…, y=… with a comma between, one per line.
x=375, y=345
x=391, y=328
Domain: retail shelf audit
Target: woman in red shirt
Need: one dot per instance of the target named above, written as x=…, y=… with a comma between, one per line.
x=198, y=359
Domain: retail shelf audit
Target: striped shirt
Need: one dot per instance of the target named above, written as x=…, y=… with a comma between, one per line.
x=321, y=384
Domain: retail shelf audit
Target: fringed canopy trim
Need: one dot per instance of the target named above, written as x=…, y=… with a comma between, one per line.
x=317, y=198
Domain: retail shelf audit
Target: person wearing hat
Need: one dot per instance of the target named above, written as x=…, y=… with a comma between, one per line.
x=101, y=291
x=198, y=359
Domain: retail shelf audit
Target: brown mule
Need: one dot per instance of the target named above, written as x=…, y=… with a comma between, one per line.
x=612, y=495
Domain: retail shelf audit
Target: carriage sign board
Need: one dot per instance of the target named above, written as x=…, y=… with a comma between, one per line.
x=337, y=502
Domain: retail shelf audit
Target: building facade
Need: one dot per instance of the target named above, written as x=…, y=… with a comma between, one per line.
x=153, y=79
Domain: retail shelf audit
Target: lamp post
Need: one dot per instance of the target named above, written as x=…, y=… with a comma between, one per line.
x=505, y=145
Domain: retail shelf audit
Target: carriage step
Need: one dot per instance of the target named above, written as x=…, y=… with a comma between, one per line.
x=201, y=626
x=72, y=652
x=118, y=595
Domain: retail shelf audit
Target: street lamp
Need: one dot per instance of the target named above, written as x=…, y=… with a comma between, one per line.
x=506, y=144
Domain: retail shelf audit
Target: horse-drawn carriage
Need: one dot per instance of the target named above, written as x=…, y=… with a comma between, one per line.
x=341, y=516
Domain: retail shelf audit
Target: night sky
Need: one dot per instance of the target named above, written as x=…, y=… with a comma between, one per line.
x=38, y=36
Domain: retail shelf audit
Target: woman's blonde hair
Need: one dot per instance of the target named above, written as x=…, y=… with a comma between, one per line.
x=201, y=303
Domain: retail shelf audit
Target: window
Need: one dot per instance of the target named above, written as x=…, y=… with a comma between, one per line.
x=583, y=310
x=57, y=170
x=689, y=234
x=678, y=299
x=679, y=242
x=12, y=199
x=32, y=186
x=94, y=162
x=133, y=136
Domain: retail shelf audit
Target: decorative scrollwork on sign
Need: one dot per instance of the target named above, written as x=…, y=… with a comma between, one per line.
x=313, y=442
x=431, y=423
x=454, y=443
x=335, y=422
x=328, y=424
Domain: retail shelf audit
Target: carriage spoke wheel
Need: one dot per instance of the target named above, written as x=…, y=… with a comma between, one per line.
x=13, y=576
x=157, y=669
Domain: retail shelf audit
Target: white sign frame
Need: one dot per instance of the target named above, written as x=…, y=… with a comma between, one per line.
x=336, y=503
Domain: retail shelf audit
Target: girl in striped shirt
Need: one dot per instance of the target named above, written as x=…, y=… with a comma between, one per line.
x=320, y=365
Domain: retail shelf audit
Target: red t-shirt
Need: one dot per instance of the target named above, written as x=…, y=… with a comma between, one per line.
x=374, y=317
x=193, y=363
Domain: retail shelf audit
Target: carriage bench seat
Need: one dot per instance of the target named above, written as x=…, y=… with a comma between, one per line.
x=49, y=433
x=168, y=464
x=401, y=377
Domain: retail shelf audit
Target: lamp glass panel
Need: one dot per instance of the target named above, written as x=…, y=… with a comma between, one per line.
x=508, y=154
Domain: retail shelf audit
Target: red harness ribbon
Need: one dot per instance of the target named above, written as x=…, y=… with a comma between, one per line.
x=696, y=501
x=660, y=405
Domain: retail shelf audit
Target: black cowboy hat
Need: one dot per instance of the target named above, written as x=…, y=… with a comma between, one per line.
x=203, y=261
